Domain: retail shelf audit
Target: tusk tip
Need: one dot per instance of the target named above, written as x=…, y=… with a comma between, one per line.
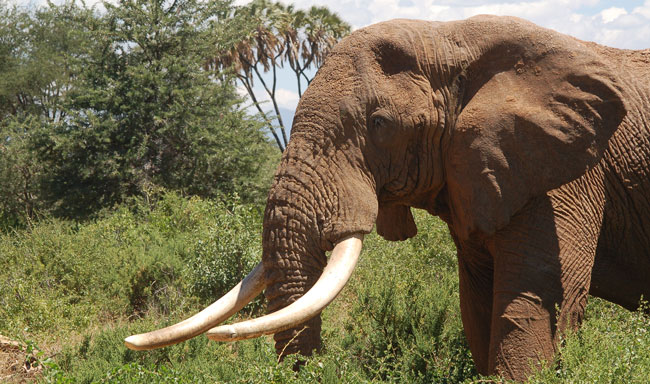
x=134, y=342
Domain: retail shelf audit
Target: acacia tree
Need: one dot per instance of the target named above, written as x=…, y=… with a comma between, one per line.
x=145, y=114
x=264, y=35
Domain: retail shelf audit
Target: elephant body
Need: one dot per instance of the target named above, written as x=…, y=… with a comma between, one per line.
x=622, y=260
x=590, y=235
x=533, y=146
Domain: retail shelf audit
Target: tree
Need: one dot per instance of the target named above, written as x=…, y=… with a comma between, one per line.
x=11, y=40
x=146, y=114
x=20, y=173
x=102, y=107
x=38, y=51
x=262, y=36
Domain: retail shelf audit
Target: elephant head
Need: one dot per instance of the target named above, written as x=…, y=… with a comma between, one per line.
x=468, y=120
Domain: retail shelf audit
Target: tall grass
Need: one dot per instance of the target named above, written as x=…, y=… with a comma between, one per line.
x=76, y=290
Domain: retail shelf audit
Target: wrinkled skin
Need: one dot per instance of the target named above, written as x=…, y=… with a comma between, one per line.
x=534, y=147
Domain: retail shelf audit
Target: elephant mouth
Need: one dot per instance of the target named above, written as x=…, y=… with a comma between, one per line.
x=334, y=277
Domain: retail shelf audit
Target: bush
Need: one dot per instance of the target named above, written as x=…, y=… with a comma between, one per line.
x=73, y=288
x=231, y=248
x=405, y=326
x=611, y=347
x=67, y=276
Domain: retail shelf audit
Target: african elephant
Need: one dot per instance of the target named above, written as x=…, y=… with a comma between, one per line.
x=533, y=146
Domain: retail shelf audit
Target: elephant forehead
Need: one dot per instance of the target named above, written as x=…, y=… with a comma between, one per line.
x=392, y=46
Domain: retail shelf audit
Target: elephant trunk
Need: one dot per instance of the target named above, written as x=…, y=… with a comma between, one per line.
x=294, y=260
x=314, y=204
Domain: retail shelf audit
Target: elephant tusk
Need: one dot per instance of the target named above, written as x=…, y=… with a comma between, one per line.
x=217, y=312
x=336, y=274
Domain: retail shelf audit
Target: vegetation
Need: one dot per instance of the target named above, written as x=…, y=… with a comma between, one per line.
x=100, y=107
x=72, y=292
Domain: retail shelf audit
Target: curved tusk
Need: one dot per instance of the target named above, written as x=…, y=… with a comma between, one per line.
x=335, y=276
x=217, y=312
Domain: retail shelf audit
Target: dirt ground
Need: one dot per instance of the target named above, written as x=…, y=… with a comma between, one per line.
x=15, y=366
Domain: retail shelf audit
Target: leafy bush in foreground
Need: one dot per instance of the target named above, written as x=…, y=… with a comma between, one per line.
x=71, y=289
x=405, y=326
x=612, y=346
x=65, y=276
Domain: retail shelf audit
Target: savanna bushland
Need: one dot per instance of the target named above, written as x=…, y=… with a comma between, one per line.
x=132, y=184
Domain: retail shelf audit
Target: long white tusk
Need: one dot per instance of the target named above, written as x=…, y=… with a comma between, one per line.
x=211, y=316
x=335, y=276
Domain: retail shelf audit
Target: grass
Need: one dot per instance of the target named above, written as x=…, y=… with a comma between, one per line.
x=71, y=293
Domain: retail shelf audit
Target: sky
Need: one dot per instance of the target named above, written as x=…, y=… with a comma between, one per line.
x=621, y=24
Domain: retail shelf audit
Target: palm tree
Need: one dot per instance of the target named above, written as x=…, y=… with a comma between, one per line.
x=322, y=30
x=261, y=36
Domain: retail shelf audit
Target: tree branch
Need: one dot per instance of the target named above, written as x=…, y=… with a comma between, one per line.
x=271, y=94
x=245, y=81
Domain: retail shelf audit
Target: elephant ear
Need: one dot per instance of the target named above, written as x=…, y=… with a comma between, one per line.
x=395, y=222
x=530, y=121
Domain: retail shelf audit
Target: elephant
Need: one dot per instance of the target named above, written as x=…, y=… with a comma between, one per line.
x=533, y=146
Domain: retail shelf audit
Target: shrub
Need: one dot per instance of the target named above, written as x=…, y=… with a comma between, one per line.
x=405, y=326
x=229, y=250
x=62, y=275
x=611, y=347
x=73, y=288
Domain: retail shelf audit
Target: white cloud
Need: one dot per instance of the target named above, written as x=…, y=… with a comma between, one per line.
x=610, y=14
x=286, y=98
x=643, y=10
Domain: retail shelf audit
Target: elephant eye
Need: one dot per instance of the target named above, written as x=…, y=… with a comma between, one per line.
x=382, y=127
x=378, y=121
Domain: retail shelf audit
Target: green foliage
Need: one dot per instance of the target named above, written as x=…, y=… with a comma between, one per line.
x=231, y=250
x=96, y=108
x=144, y=113
x=406, y=327
x=68, y=276
x=11, y=42
x=611, y=347
x=38, y=55
x=20, y=173
x=77, y=290
x=35, y=358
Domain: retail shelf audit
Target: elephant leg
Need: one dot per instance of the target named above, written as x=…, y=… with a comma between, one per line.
x=475, y=275
x=542, y=261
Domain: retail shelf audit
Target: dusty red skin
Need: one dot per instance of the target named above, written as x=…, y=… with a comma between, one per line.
x=533, y=146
